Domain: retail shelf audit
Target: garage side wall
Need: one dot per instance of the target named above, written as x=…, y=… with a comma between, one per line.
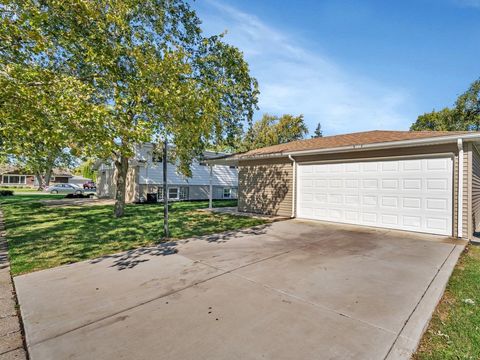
x=266, y=186
x=476, y=189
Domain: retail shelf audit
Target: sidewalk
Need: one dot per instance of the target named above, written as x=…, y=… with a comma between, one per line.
x=11, y=341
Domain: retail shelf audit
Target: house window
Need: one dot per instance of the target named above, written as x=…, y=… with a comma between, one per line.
x=184, y=193
x=173, y=193
x=227, y=193
x=14, y=179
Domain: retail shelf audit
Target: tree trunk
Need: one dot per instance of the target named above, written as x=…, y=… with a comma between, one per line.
x=48, y=176
x=39, y=177
x=121, y=165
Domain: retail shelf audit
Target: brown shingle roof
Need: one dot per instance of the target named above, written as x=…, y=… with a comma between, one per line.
x=359, y=138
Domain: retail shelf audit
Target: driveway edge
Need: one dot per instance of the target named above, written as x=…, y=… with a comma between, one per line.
x=409, y=338
x=11, y=331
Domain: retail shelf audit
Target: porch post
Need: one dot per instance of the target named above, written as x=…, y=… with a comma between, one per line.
x=210, y=194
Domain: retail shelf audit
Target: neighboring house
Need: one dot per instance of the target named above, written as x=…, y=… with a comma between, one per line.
x=145, y=179
x=418, y=181
x=14, y=176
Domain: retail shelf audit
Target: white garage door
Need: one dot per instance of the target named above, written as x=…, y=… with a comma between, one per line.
x=411, y=194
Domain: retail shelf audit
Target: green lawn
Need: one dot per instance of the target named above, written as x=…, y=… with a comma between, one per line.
x=19, y=190
x=454, y=332
x=42, y=236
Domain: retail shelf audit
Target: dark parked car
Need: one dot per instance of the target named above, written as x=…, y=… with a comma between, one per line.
x=89, y=185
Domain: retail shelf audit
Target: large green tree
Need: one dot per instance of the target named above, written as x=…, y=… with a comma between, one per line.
x=273, y=130
x=443, y=120
x=467, y=106
x=41, y=118
x=147, y=63
x=464, y=115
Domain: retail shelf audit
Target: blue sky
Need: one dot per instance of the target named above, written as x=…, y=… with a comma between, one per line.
x=353, y=65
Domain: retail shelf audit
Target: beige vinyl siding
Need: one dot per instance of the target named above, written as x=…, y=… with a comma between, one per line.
x=466, y=193
x=475, y=180
x=266, y=186
x=455, y=196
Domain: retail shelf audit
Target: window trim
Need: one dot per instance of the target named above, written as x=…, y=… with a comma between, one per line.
x=178, y=193
x=186, y=192
x=229, y=193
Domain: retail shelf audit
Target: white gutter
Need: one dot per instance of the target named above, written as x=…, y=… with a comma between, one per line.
x=460, y=189
x=294, y=186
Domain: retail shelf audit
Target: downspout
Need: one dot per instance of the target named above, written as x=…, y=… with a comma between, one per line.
x=294, y=186
x=460, y=189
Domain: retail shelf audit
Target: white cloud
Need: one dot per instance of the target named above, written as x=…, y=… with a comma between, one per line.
x=297, y=79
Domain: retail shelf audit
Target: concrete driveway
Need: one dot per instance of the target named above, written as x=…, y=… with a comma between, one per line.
x=288, y=290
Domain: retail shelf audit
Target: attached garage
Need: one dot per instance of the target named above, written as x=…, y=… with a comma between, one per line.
x=405, y=194
x=424, y=181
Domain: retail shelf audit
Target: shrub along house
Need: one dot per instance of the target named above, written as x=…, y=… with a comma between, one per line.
x=145, y=179
x=424, y=181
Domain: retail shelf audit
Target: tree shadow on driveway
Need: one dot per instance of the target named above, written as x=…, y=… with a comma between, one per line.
x=132, y=258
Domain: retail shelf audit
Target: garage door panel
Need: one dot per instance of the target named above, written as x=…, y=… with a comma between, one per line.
x=352, y=216
x=411, y=194
x=369, y=201
x=413, y=165
x=437, y=164
x=390, y=219
x=390, y=202
x=390, y=184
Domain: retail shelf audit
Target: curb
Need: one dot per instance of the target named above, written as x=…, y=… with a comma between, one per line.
x=409, y=338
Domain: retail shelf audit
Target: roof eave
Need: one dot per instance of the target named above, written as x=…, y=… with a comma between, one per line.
x=234, y=159
x=389, y=144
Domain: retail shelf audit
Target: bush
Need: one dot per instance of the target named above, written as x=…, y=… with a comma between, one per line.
x=6, y=192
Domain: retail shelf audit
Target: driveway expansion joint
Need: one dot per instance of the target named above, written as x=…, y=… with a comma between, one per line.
x=157, y=297
x=299, y=298
x=291, y=295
